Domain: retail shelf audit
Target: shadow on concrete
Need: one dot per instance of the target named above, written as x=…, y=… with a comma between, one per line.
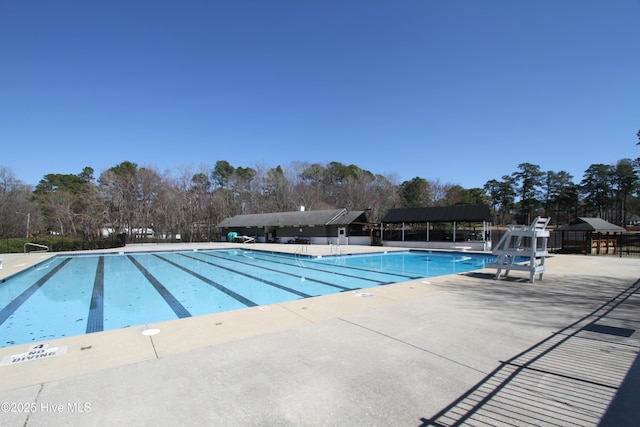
x=588, y=373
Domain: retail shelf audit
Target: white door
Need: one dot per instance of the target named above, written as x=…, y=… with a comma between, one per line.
x=342, y=236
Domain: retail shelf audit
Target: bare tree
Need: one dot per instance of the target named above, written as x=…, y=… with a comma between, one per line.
x=168, y=210
x=382, y=195
x=18, y=214
x=127, y=198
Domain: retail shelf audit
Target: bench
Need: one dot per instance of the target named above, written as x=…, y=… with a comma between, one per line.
x=300, y=241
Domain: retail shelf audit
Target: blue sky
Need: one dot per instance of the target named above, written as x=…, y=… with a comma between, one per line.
x=460, y=91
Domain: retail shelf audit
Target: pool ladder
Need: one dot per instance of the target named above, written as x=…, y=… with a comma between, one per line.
x=298, y=254
x=335, y=248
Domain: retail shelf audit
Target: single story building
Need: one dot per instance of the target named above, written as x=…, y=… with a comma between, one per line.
x=462, y=227
x=333, y=226
x=593, y=236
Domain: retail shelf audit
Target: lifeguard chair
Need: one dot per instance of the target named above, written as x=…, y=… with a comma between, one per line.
x=524, y=241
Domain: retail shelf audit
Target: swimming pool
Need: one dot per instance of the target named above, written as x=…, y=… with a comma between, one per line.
x=75, y=295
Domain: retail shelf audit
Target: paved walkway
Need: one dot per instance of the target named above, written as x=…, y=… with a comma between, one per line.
x=455, y=350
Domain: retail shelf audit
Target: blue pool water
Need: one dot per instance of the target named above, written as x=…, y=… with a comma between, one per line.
x=75, y=295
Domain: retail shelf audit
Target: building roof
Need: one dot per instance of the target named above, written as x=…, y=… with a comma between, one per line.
x=294, y=219
x=471, y=213
x=591, y=224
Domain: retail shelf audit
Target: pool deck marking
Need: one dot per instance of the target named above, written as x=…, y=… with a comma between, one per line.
x=404, y=277
x=172, y=301
x=333, y=285
x=36, y=352
x=95, y=321
x=208, y=281
x=7, y=311
x=267, y=282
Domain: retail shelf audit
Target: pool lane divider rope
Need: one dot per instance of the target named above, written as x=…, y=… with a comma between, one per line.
x=95, y=321
x=208, y=281
x=172, y=301
x=6, y=312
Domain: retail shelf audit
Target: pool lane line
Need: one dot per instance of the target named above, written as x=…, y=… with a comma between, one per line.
x=267, y=257
x=260, y=279
x=292, y=264
x=6, y=312
x=95, y=320
x=208, y=281
x=175, y=305
x=333, y=285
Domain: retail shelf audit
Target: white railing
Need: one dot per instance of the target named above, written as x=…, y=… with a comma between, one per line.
x=46, y=248
x=299, y=258
x=335, y=248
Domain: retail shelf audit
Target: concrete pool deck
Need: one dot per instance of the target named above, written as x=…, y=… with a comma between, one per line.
x=452, y=350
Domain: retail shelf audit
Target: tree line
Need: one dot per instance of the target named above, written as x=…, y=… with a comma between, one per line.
x=128, y=198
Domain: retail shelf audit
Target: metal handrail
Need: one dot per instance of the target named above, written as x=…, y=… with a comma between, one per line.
x=335, y=247
x=46, y=248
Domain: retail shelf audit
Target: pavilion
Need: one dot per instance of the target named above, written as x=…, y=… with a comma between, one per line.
x=460, y=227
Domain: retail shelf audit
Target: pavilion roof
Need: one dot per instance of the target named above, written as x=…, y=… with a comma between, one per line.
x=468, y=213
x=591, y=224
